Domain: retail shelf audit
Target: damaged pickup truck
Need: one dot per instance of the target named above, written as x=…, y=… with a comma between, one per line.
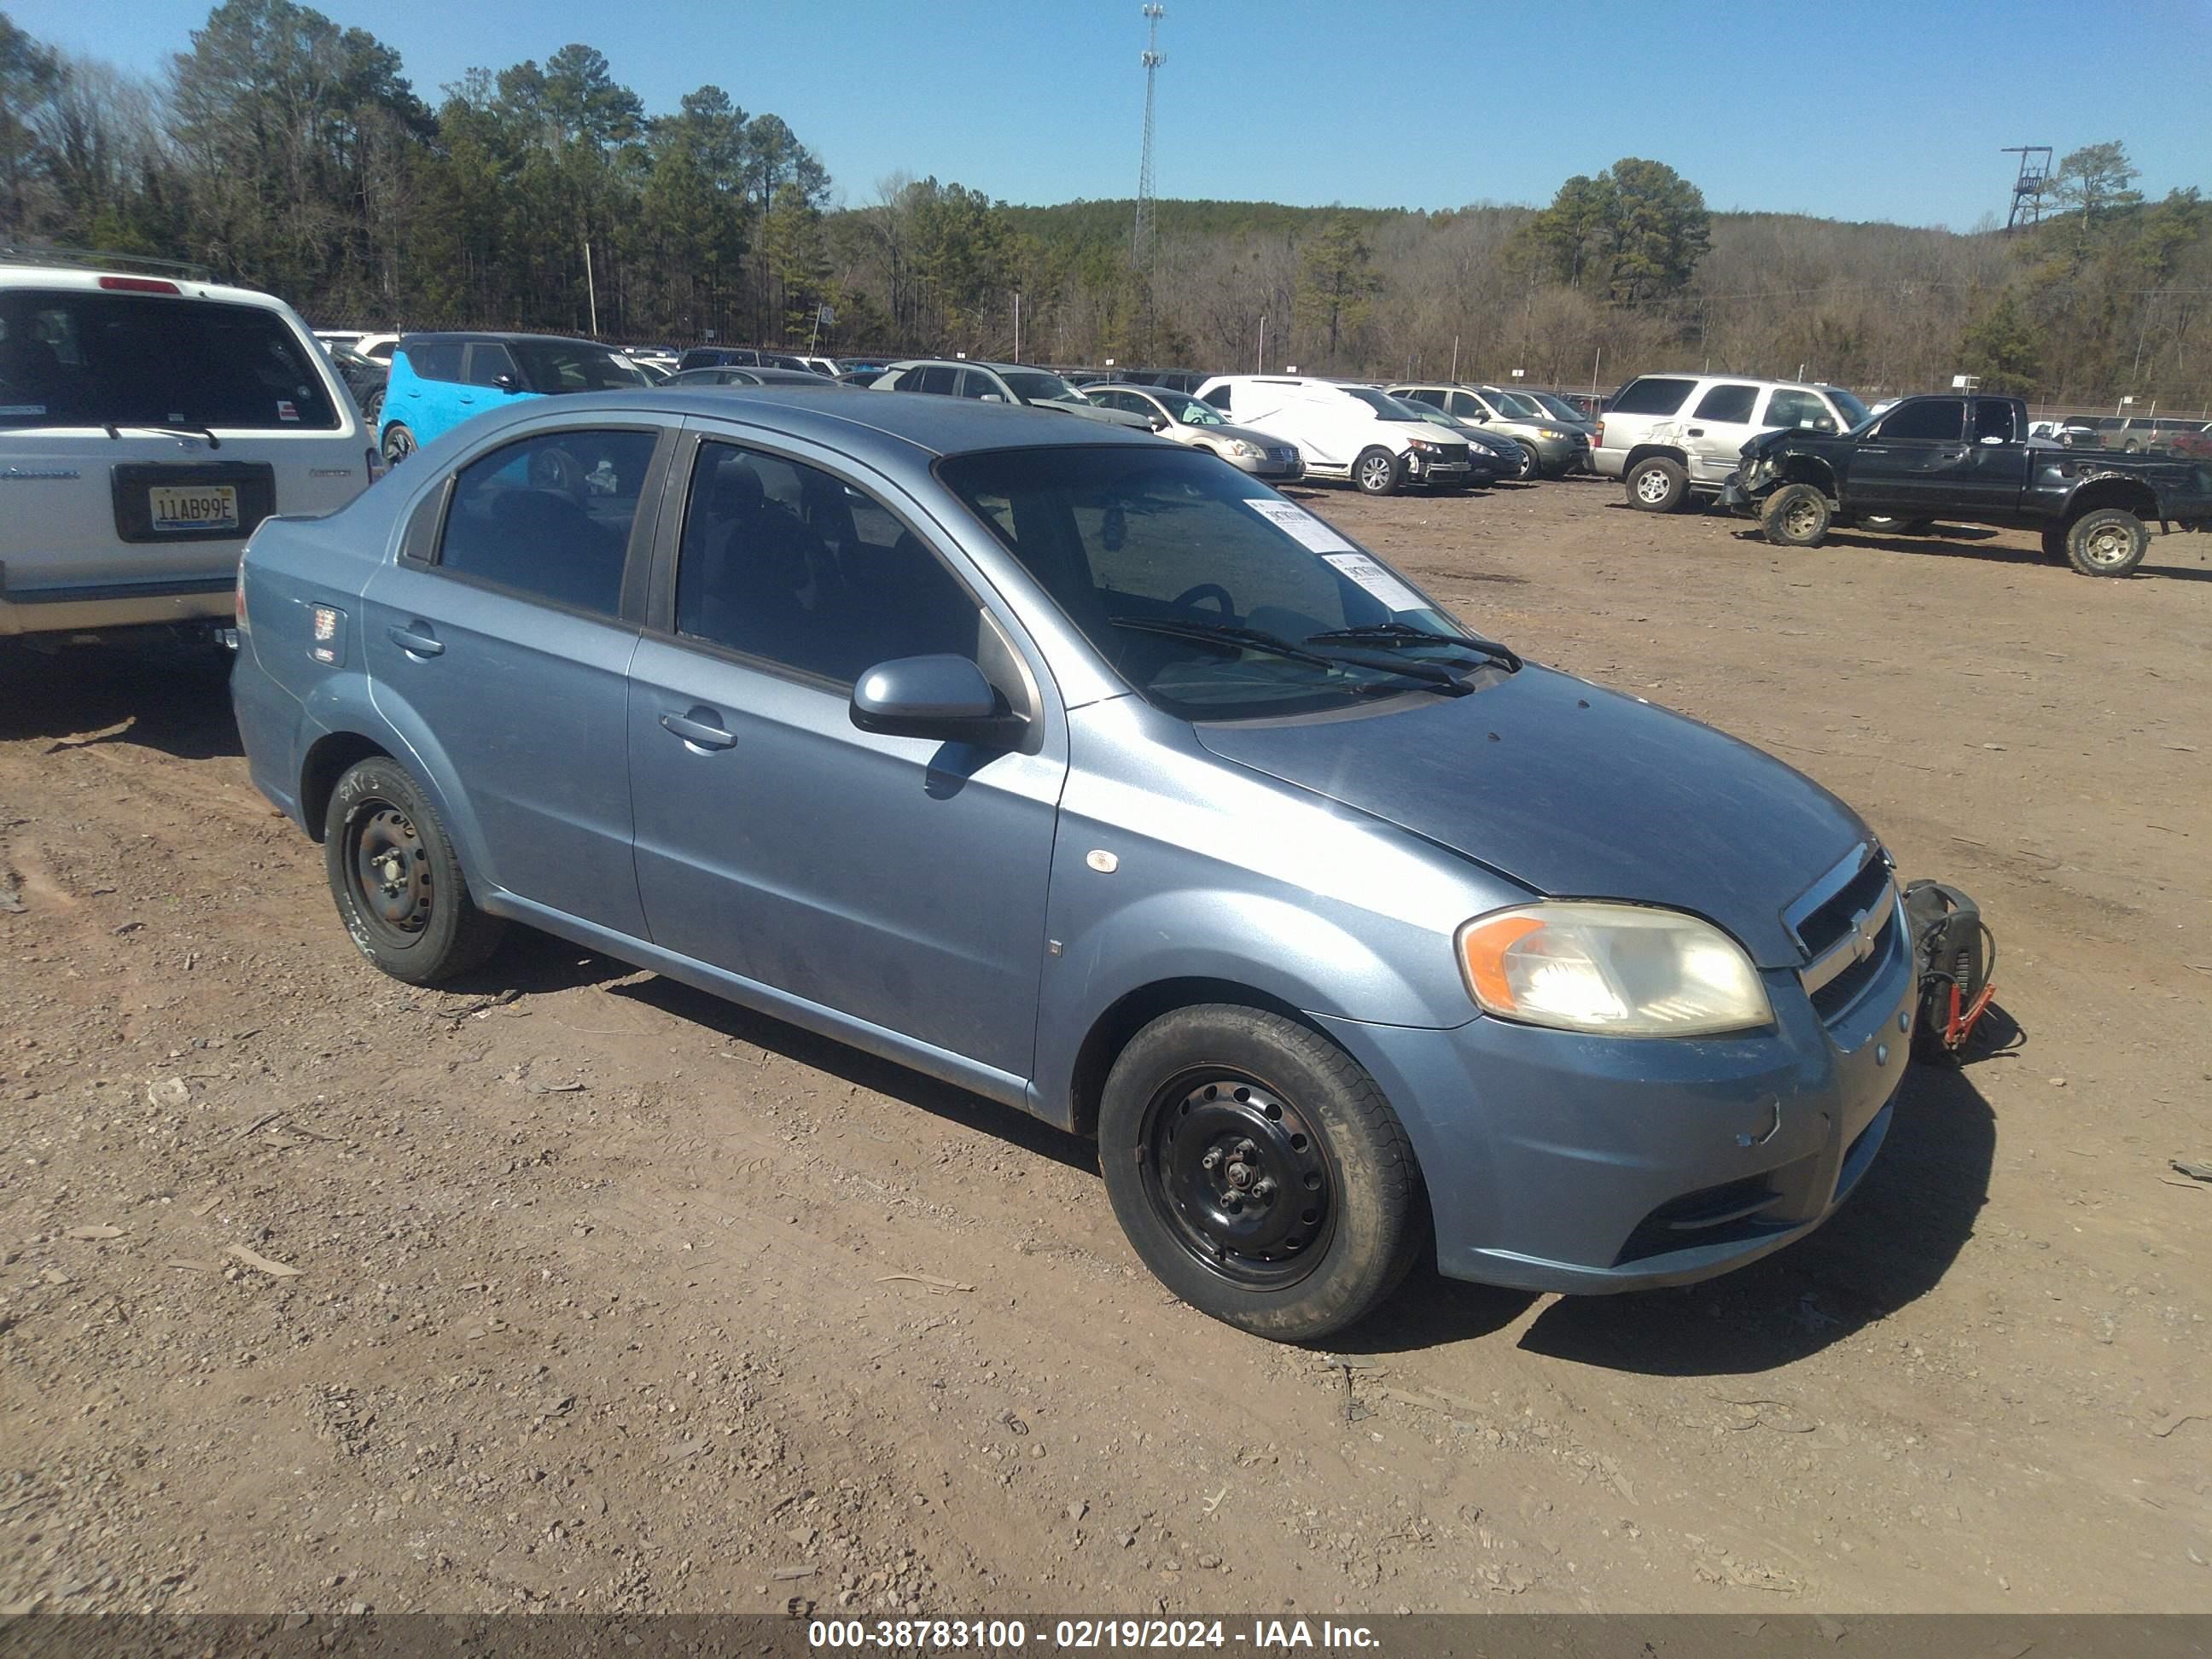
x=1967, y=459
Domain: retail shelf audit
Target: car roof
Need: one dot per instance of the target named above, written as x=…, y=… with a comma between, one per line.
x=937, y=425
x=504, y=336
x=64, y=277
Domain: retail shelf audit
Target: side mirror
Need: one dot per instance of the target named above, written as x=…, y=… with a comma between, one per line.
x=944, y=697
x=1158, y=423
x=506, y=383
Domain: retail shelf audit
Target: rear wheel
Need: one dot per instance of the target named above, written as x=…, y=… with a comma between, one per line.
x=1657, y=484
x=372, y=405
x=1796, y=515
x=1259, y=1171
x=398, y=444
x=1376, y=472
x=2110, y=542
x=398, y=880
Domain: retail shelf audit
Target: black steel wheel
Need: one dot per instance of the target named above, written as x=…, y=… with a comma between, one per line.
x=1259, y=1171
x=396, y=879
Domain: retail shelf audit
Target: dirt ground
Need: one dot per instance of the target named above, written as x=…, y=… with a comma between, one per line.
x=598, y=1294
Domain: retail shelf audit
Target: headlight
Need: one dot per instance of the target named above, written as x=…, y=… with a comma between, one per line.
x=1613, y=969
x=1549, y=432
x=1422, y=445
x=1247, y=451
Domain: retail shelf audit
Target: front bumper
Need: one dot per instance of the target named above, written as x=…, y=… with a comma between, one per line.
x=1273, y=468
x=1556, y=1162
x=1735, y=498
x=1436, y=474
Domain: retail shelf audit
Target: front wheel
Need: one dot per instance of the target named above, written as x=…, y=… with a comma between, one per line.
x=398, y=880
x=2110, y=542
x=1796, y=515
x=1657, y=485
x=1376, y=472
x=398, y=444
x=1259, y=1171
x=373, y=406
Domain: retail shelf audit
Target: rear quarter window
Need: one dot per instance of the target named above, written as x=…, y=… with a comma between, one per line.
x=440, y=361
x=1653, y=394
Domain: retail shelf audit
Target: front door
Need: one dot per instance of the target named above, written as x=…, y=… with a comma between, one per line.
x=504, y=640
x=899, y=881
x=1914, y=462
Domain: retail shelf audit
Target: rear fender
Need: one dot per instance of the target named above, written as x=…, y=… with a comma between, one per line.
x=343, y=704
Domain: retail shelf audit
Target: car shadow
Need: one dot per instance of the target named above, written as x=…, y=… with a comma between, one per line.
x=1978, y=544
x=942, y=1100
x=171, y=697
x=1889, y=1245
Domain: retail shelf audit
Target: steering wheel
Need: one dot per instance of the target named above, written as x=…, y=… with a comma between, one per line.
x=1214, y=591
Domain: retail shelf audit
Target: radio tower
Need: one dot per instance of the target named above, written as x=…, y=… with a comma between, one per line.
x=1140, y=237
x=2028, y=188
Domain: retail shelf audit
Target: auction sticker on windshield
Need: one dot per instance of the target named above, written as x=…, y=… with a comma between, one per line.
x=1309, y=530
x=205, y=506
x=1375, y=579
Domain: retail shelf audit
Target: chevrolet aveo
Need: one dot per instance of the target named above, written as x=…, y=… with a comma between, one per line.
x=1086, y=772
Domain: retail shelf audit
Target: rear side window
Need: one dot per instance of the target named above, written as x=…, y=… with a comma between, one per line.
x=937, y=378
x=1426, y=394
x=1993, y=421
x=78, y=358
x=1653, y=394
x=1728, y=404
x=550, y=516
x=1937, y=420
x=440, y=361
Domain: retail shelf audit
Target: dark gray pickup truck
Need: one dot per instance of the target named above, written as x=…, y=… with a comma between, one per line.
x=1967, y=460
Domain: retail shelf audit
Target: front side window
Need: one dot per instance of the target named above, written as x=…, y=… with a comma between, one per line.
x=1468, y=407
x=785, y=563
x=1034, y=385
x=550, y=516
x=975, y=383
x=936, y=378
x=77, y=357
x=1382, y=403
x=1932, y=420
x=487, y=361
x=559, y=366
x=1729, y=405
x=1151, y=554
x=1792, y=407
x=1189, y=411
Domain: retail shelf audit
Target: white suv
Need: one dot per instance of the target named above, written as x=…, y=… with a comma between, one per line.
x=1356, y=433
x=1670, y=437
x=148, y=425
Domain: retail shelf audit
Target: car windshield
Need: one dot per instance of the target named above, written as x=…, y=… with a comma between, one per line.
x=572, y=366
x=1190, y=411
x=1855, y=413
x=1515, y=406
x=1389, y=407
x=71, y=357
x=1034, y=385
x=1190, y=578
x=1559, y=407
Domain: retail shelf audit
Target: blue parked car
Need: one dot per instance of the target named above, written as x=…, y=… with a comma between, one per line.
x=439, y=380
x=1083, y=770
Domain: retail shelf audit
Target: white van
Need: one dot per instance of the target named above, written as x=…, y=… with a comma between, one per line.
x=1356, y=433
x=148, y=425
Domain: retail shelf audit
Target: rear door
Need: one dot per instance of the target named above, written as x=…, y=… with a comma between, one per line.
x=1716, y=427
x=96, y=501
x=501, y=641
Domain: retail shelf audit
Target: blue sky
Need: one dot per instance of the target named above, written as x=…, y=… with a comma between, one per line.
x=1867, y=110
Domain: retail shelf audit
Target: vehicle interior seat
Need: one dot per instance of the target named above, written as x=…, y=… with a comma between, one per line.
x=546, y=543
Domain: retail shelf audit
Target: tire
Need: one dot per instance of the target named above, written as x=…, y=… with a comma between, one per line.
x=396, y=879
x=373, y=406
x=1657, y=484
x=1531, y=468
x=1376, y=472
x=2110, y=542
x=1206, y=1092
x=398, y=444
x=1796, y=515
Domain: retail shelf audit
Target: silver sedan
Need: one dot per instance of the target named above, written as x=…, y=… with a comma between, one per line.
x=1188, y=420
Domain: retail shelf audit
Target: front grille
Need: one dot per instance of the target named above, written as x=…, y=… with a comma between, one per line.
x=1848, y=926
x=1451, y=455
x=1823, y=928
x=1835, y=998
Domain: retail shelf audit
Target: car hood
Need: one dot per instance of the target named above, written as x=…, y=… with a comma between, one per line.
x=1093, y=412
x=1577, y=792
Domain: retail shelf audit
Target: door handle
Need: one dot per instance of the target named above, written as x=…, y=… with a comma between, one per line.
x=415, y=643
x=1697, y=432
x=702, y=733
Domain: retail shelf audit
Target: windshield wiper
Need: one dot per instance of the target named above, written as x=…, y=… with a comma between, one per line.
x=1397, y=636
x=1230, y=636
x=213, y=442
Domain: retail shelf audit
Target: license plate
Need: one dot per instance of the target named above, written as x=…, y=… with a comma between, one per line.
x=197, y=506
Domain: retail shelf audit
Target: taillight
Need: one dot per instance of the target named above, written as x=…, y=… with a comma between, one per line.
x=238, y=599
x=1598, y=441
x=139, y=285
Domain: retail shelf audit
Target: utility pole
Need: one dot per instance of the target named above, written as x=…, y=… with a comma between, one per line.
x=1018, y=324
x=1259, y=362
x=591, y=287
